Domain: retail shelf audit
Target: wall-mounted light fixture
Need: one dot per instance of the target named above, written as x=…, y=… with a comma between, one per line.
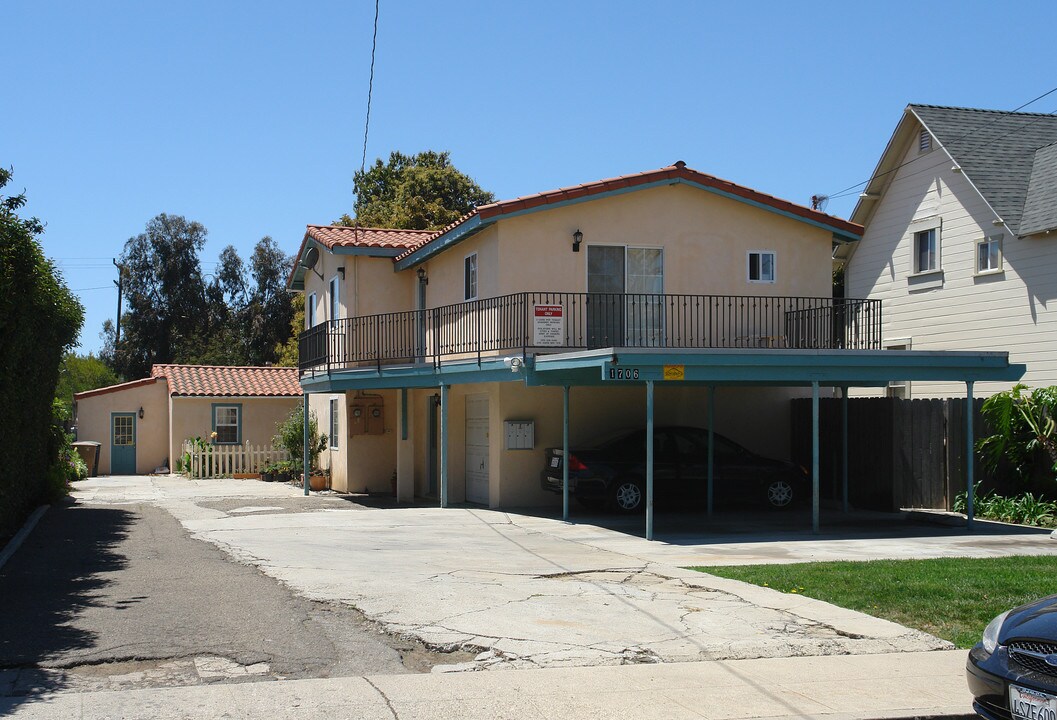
x=421, y=272
x=578, y=237
x=141, y=413
x=341, y=269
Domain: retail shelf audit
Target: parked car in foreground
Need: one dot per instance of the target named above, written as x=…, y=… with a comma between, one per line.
x=612, y=473
x=1012, y=671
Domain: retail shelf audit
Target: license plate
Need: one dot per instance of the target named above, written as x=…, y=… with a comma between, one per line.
x=1028, y=704
x=555, y=460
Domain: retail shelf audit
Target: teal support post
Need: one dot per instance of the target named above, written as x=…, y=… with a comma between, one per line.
x=649, y=459
x=969, y=454
x=307, y=456
x=565, y=453
x=444, y=446
x=814, y=456
x=403, y=413
x=711, y=444
x=844, y=445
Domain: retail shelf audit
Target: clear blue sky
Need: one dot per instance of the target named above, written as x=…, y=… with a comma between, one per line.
x=248, y=116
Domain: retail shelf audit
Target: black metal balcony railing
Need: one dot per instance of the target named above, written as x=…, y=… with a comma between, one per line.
x=591, y=320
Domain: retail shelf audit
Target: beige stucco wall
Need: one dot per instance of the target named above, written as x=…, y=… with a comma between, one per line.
x=705, y=237
x=152, y=432
x=370, y=286
x=193, y=417
x=360, y=463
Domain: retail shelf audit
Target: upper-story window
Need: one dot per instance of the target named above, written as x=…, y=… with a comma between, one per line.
x=926, y=250
x=335, y=298
x=762, y=266
x=989, y=254
x=310, y=310
x=470, y=277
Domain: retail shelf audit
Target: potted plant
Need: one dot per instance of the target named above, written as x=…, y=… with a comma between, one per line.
x=290, y=436
x=268, y=472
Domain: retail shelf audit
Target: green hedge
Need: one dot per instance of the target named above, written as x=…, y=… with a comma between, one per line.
x=39, y=320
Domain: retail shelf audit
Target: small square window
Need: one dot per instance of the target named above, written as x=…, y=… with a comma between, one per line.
x=226, y=424
x=470, y=277
x=989, y=254
x=761, y=267
x=926, y=251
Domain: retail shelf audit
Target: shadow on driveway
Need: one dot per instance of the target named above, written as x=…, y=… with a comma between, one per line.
x=50, y=580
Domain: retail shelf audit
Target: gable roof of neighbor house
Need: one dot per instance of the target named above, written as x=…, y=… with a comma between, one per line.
x=1007, y=156
x=228, y=381
x=675, y=174
x=116, y=388
x=344, y=240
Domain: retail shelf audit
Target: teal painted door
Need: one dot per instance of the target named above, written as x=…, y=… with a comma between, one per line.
x=123, y=444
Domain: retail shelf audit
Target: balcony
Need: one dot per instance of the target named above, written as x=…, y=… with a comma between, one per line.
x=555, y=322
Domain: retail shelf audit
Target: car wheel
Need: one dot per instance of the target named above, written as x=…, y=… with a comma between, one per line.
x=627, y=495
x=779, y=494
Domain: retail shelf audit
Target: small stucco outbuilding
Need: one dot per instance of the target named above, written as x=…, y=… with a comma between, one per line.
x=142, y=424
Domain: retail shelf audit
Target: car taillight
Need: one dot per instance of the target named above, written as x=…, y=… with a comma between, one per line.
x=575, y=464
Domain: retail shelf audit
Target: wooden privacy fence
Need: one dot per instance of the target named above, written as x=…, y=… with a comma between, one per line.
x=215, y=461
x=901, y=453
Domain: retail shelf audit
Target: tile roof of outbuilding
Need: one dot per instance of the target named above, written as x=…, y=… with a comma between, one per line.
x=116, y=388
x=332, y=236
x=229, y=381
x=997, y=151
x=676, y=172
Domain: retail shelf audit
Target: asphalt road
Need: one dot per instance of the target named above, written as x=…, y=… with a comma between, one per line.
x=115, y=597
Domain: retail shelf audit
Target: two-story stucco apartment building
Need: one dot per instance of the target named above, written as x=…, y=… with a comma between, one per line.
x=448, y=361
x=959, y=243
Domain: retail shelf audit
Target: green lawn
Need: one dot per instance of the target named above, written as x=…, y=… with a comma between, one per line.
x=951, y=598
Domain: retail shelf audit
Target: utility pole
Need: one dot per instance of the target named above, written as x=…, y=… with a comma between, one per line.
x=118, y=282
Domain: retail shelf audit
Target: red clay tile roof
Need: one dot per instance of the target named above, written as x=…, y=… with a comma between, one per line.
x=331, y=236
x=672, y=172
x=225, y=381
x=115, y=388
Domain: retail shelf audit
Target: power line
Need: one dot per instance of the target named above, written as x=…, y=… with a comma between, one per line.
x=848, y=190
x=370, y=88
x=101, y=287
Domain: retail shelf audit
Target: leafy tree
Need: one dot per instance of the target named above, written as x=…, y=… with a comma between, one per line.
x=267, y=318
x=39, y=320
x=286, y=353
x=78, y=373
x=1024, y=423
x=414, y=192
x=167, y=314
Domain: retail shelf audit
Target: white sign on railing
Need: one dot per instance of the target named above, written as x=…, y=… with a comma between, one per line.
x=548, y=325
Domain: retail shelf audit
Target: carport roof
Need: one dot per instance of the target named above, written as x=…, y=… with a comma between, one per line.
x=616, y=366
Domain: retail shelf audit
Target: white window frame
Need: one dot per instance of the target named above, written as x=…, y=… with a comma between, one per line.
x=217, y=409
x=915, y=255
x=470, y=277
x=898, y=388
x=310, y=311
x=335, y=423
x=995, y=239
x=774, y=267
x=334, y=290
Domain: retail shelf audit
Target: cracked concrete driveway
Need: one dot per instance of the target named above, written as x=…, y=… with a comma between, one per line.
x=527, y=591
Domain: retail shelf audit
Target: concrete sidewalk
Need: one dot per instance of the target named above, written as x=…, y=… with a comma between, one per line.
x=928, y=684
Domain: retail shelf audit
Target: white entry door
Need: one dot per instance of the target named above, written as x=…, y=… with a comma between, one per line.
x=477, y=449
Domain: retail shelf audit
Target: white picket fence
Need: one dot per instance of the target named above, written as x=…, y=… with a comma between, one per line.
x=216, y=461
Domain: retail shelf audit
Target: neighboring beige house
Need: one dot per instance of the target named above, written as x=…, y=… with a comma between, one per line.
x=959, y=240
x=141, y=425
x=443, y=362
